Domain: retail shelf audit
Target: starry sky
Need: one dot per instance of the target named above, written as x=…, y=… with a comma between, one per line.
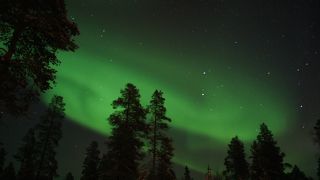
x=225, y=66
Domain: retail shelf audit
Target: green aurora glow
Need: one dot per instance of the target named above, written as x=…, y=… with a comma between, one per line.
x=230, y=104
x=232, y=98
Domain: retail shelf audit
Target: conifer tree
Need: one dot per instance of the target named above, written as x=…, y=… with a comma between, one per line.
x=186, y=174
x=31, y=33
x=267, y=159
x=317, y=140
x=318, y=169
x=104, y=166
x=165, y=171
x=69, y=176
x=91, y=162
x=158, y=125
x=48, y=135
x=2, y=158
x=9, y=173
x=27, y=155
x=235, y=162
x=296, y=174
x=128, y=128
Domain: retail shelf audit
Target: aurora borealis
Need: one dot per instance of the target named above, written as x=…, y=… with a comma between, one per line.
x=224, y=67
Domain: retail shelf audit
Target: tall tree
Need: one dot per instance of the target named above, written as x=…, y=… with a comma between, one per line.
x=318, y=169
x=317, y=132
x=236, y=165
x=104, y=167
x=27, y=155
x=158, y=125
x=9, y=173
x=126, y=140
x=317, y=140
x=296, y=174
x=2, y=158
x=49, y=134
x=267, y=159
x=69, y=176
x=31, y=33
x=165, y=171
x=91, y=163
x=186, y=174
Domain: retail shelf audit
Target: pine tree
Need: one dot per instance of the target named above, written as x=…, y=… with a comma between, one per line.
x=104, y=168
x=125, y=143
x=317, y=140
x=91, y=163
x=187, y=174
x=317, y=132
x=9, y=173
x=267, y=159
x=2, y=158
x=158, y=126
x=318, y=169
x=27, y=155
x=165, y=171
x=31, y=33
x=235, y=162
x=296, y=174
x=48, y=134
x=69, y=176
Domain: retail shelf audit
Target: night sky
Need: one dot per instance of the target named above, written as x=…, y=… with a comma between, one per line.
x=225, y=66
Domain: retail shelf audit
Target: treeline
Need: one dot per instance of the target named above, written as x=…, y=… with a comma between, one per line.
x=139, y=147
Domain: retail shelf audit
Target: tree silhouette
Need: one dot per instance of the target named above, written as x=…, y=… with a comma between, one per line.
x=49, y=133
x=104, y=168
x=165, y=171
x=318, y=169
x=27, y=155
x=317, y=140
x=9, y=173
x=296, y=174
x=267, y=159
x=186, y=174
x=69, y=176
x=158, y=125
x=91, y=163
x=236, y=165
x=2, y=158
x=31, y=33
x=125, y=142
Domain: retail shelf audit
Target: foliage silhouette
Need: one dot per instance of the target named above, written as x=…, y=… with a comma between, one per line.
x=31, y=33
x=236, y=165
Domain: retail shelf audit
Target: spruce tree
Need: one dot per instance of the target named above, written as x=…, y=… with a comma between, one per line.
x=2, y=158
x=49, y=134
x=126, y=140
x=267, y=159
x=31, y=33
x=296, y=174
x=104, y=168
x=91, y=162
x=186, y=174
x=165, y=171
x=27, y=155
x=235, y=162
x=317, y=132
x=318, y=169
x=9, y=173
x=158, y=125
x=317, y=140
x=69, y=176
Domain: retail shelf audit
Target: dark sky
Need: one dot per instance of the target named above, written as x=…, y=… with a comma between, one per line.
x=225, y=66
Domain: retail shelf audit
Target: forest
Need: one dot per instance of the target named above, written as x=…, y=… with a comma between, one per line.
x=139, y=146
